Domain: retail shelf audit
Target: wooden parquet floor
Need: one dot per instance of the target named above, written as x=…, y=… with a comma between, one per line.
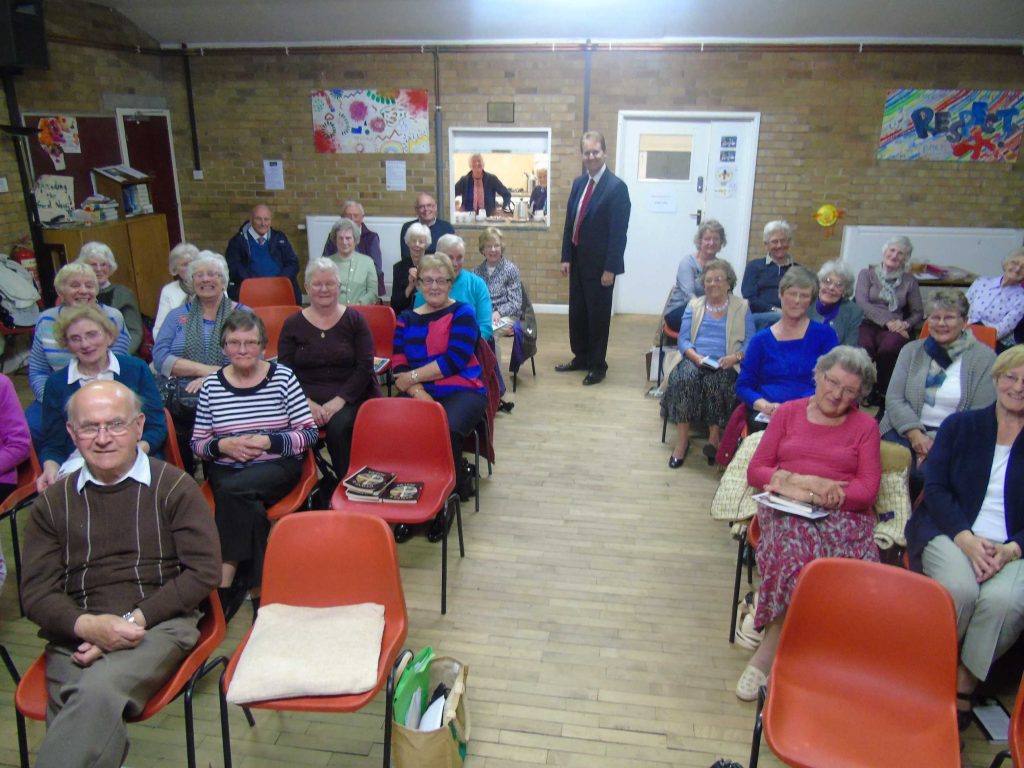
x=592, y=606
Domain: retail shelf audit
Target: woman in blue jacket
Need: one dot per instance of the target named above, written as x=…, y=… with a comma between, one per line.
x=968, y=533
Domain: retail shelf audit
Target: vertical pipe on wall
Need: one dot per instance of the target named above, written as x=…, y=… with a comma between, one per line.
x=587, y=48
x=197, y=162
x=438, y=127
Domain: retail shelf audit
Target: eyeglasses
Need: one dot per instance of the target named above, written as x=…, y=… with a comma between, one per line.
x=848, y=392
x=831, y=282
x=332, y=286
x=425, y=206
x=430, y=282
x=115, y=428
x=714, y=280
x=239, y=344
x=1012, y=379
x=942, y=319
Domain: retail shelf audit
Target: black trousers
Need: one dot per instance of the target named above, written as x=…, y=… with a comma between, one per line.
x=590, y=314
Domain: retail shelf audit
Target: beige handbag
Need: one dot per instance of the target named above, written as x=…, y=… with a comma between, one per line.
x=733, y=499
x=444, y=747
x=893, y=503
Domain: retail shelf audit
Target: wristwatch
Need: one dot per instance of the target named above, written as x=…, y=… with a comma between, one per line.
x=414, y=375
x=129, y=617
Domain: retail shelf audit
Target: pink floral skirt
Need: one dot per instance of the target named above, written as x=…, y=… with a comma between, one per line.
x=789, y=542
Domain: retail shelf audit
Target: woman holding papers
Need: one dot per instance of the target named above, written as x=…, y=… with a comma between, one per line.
x=968, y=533
x=824, y=452
x=715, y=330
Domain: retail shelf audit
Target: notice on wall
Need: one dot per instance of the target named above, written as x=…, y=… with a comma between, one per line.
x=394, y=172
x=725, y=181
x=273, y=174
x=662, y=202
x=55, y=197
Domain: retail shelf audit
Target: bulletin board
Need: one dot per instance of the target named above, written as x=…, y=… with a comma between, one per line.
x=100, y=146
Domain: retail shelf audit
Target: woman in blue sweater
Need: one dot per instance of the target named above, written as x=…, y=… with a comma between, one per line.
x=779, y=365
x=88, y=335
x=435, y=359
x=968, y=533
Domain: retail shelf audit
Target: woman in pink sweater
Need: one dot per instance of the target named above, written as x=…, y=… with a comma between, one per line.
x=820, y=450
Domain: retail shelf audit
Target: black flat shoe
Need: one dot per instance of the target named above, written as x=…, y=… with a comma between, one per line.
x=963, y=716
x=675, y=463
x=505, y=406
x=437, y=527
x=594, y=377
x=231, y=599
x=403, y=533
x=710, y=453
x=572, y=365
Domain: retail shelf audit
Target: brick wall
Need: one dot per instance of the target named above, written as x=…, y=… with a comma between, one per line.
x=820, y=119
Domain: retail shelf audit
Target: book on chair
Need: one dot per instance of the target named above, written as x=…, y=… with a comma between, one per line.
x=368, y=481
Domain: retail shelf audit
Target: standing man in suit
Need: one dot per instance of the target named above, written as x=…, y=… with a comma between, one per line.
x=593, y=245
x=426, y=214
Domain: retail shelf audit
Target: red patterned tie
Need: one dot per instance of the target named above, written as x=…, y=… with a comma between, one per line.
x=583, y=209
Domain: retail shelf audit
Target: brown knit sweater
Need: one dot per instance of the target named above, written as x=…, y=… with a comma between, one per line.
x=110, y=549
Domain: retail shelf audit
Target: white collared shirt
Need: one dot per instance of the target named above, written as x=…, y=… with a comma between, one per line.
x=256, y=236
x=139, y=472
x=769, y=260
x=112, y=369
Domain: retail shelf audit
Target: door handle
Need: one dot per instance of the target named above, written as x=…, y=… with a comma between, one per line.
x=698, y=215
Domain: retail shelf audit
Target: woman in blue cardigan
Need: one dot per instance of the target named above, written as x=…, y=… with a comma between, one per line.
x=88, y=334
x=968, y=533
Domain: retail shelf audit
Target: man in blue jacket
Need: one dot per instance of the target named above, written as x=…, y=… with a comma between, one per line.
x=259, y=251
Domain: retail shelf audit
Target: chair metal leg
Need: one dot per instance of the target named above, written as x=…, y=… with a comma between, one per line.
x=16, y=547
x=9, y=663
x=515, y=381
x=225, y=726
x=458, y=524
x=661, y=358
x=444, y=565
x=190, y=733
x=736, y=586
x=664, y=428
x=22, y=740
x=533, y=365
x=476, y=465
x=998, y=760
x=755, y=742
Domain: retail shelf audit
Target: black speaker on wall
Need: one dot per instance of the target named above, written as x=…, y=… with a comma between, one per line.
x=23, y=35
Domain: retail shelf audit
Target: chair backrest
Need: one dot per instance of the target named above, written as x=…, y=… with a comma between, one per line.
x=28, y=472
x=266, y=292
x=403, y=435
x=1016, y=734
x=874, y=632
x=273, y=317
x=528, y=321
x=983, y=333
x=381, y=319
x=172, y=451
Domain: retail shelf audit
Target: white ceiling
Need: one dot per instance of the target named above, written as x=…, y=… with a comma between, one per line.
x=215, y=23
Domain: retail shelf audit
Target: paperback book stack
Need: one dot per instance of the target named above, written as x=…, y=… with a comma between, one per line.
x=375, y=485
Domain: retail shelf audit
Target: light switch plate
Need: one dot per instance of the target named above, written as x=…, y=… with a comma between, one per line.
x=197, y=175
x=3, y=184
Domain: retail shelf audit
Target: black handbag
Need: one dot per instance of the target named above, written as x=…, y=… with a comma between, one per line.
x=176, y=399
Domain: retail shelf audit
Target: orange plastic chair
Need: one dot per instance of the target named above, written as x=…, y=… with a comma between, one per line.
x=745, y=554
x=172, y=451
x=983, y=333
x=321, y=559
x=22, y=495
x=266, y=292
x=273, y=318
x=865, y=671
x=1016, y=733
x=423, y=454
x=30, y=698
x=381, y=319
x=292, y=501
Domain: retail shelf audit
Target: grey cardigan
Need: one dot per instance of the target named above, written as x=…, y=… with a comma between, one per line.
x=905, y=398
x=847, y=322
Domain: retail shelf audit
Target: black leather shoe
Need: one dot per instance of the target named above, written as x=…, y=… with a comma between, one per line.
x=403, y=533
x=675, y=463
x=437, y=527
x=231, y=599
x=710, y=453
x=594, y=377
x=572, y=365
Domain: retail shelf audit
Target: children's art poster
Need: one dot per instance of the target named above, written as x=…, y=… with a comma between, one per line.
x=58, y=136
x=391, y=121
x=960, y=125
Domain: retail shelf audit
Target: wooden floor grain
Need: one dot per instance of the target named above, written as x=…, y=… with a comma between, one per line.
x=592, y=606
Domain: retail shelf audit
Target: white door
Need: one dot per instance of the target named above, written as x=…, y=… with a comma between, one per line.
x=681, y=168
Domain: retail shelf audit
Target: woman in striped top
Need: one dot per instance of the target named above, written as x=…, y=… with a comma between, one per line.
x=252, y=428
x=434, y=357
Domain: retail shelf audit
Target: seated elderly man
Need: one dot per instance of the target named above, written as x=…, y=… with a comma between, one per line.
x=118, y=557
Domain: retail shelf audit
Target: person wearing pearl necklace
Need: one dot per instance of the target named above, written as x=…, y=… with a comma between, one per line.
x=356, y=273
x=714, y=332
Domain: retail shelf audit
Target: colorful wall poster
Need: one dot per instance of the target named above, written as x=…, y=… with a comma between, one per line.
x=58, y=135
x=961, y=125
x=391, y=121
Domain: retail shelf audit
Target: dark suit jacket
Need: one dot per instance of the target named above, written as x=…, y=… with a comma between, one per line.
x=603, y=229
x=492, y=188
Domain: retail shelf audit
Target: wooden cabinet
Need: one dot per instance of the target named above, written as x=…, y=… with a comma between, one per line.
x=139, y=245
